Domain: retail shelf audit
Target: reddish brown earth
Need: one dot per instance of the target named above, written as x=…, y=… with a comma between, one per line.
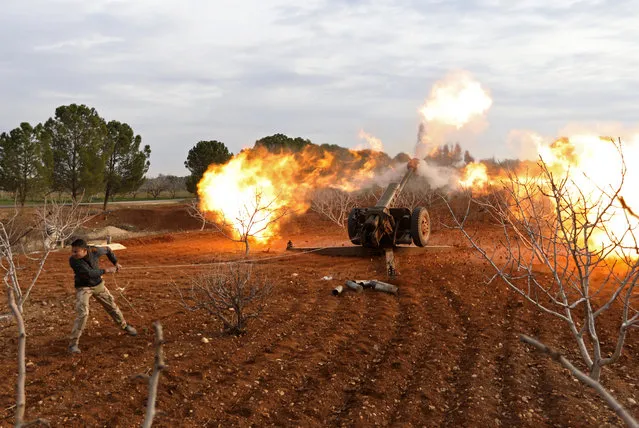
x=445, y=352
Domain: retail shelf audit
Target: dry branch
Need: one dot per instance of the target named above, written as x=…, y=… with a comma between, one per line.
x=584, y=378
x=158, y=367
x=334, y=204
x=194, y=210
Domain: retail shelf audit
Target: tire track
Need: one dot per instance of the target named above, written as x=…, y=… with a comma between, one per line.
x=387, y=351
x=348, y=348
x=462, y=377
x=414, y=394
x=287, y=358
x=545, y=394
x=508, y=416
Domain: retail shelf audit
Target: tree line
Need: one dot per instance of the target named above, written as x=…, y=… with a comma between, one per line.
x=77, y=152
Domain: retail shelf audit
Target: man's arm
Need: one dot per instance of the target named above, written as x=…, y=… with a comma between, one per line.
x=83, y=270
x=101, y=251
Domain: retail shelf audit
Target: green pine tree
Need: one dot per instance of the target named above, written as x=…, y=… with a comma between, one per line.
x=126, y=164
x=76, y=135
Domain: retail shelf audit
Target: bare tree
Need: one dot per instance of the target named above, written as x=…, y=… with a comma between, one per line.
x=551, y=220
x=174, y=184
x=155, y=186
x=414, y=196
x=334, y=204
x=194, y=210
x=232, y=293
x=15, y=232
x=252, y=220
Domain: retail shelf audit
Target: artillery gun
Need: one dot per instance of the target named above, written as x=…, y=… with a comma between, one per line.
x=383, y=227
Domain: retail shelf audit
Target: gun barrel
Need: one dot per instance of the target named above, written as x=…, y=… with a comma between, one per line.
x=395, y=188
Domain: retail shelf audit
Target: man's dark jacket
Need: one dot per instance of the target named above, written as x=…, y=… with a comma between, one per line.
x=87, y=269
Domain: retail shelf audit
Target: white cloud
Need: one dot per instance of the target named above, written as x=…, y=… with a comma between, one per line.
x=181, y=94
x=189, y=70
x=81, y=43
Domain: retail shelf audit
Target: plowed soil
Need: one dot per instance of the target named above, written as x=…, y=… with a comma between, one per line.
x=444, y=352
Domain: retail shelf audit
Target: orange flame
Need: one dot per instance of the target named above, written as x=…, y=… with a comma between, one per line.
x=474, y=175
x=594, y=167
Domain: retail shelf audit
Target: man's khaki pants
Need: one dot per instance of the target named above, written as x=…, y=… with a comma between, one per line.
x=102, y=295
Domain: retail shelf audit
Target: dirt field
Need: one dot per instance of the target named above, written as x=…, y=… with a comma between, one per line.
x=445, y=352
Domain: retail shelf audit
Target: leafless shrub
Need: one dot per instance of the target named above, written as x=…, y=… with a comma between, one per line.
x=64, y=219
x=233, y=293
x=334, y=204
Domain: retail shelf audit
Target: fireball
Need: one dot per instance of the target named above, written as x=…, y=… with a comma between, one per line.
x=456, y=100
x=475, y=175
x=252, y=192
x=250, y=189
x=594, y=168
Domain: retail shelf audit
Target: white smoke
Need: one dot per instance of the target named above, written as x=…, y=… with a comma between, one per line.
x=438, y=176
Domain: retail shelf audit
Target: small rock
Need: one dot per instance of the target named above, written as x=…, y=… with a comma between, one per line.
x=632, y=402
x=205, y=340
x=125, y=356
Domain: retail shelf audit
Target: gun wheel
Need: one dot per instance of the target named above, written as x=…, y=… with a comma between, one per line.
x=420, y=226
x=352, y=227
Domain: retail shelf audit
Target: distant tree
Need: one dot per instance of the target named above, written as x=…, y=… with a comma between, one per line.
x=76, y=135
x=155, y=186
x=126, y=164
x=446, y=155
x=25, y=162
x=203, y=154
x=333, y=204
x=331, y=147
x=278, y=143
x=401, y=158
x=175, y=184
x=468, y=158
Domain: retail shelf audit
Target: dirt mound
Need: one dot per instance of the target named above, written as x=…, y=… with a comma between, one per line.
x=112, y=231
x=173, y=217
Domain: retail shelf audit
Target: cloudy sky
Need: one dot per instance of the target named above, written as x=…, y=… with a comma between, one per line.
x=183, y=71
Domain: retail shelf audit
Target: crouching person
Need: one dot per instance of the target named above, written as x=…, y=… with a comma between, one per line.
x=84, y=261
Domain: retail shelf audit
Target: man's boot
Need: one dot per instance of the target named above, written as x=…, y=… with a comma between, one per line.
x=131, y=331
